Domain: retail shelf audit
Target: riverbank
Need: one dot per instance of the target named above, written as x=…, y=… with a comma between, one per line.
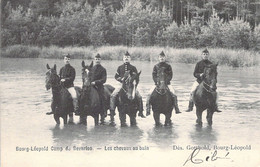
x=229, y=57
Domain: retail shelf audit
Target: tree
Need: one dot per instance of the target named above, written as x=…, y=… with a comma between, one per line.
x=236, y=34
x=98, y=27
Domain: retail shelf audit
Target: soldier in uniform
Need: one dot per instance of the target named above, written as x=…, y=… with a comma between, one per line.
x=168, y=70
x=67, y=75
x=119, y=77
x=98, y=78
x=198, y=73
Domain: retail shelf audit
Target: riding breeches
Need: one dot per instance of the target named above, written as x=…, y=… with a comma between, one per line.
x=194, y=87
x=172, y=91
x=114, y=97
x=72, y=92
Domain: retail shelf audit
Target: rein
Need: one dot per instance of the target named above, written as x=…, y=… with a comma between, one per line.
x=157, y=90
x=207, y=89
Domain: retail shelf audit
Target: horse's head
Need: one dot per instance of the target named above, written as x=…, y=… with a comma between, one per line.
x=51, y=78
x=210, y=77
x=161, y=84
x=130, y=82
x=86, y=72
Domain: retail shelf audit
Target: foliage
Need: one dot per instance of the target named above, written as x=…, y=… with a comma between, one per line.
x=174, y=23
x=98, y=27
x=229, y=57
x=236, y=34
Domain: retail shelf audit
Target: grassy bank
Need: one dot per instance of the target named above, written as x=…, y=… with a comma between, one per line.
x=234, y=58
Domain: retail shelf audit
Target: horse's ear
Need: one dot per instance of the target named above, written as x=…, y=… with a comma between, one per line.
x=48, y=67
x=83, y=63
x=91, y=65
x=54, y=67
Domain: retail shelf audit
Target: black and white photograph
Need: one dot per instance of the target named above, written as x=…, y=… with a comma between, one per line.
x=130, y=83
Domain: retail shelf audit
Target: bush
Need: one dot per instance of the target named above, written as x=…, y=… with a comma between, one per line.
x=21, y=51
x=255, y=39
x=211, y=34
x=236, y=34
x=234, y=58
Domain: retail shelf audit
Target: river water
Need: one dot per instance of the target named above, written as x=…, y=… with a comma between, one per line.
x=24, y=102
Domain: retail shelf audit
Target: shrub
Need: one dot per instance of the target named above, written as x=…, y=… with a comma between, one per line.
x=21, y=51
x=236, y=34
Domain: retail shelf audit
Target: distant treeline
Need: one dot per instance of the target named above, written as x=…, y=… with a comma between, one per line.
x=229, y=57
x=173, y=23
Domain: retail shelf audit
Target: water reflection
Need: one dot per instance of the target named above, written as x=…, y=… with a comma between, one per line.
x=162, y=136
x=128, y=136
x=97, y=136
x=203, y=135
x=64, y=136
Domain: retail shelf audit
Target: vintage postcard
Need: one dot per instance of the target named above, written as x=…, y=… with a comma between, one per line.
x=130, y=83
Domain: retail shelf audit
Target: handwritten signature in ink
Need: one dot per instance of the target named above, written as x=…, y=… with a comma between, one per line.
x=193, y=157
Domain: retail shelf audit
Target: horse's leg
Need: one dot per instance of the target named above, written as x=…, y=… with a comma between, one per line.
x=65, y=119
x=168, y=121
x=112, y=120
x=122, y=116
x=132, y=119
x=199, y=116
x=71, y=117
x=209, y=116
x=156, y=116
x=102, y=118
x=83, y=120
x=96, y=118
x=56, y=118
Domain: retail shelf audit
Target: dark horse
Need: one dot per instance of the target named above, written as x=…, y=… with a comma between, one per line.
x=161, y=100
x=127, y=101
x=205, y=95
x=90, y=100
x=61, y=99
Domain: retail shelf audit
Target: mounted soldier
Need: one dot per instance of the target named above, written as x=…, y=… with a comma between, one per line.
x=168, y=70
x=98, y=78
x=67, y=76
x=119, y=76
x=199, y=75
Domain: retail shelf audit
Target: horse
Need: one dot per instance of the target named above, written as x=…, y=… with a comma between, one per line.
x=205, y=95
x=62, y=105
x=127, y=101
x=161, y=100
x=90, y=103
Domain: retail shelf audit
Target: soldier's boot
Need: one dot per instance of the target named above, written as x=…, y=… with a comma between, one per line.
x=216, y=108
x=175, y=101
x=177, y=110
x=53, y=108
x=190, y=108
x=49, y=113
x=76, y=106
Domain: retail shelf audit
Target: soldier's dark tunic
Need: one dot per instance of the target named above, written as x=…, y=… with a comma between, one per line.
x=122, y=69
x=99, y=76
x=68, y=73
x=199, y=69
x=168, y=72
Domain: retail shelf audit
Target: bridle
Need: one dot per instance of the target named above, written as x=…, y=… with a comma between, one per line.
x=52, y=78
x=207, y=89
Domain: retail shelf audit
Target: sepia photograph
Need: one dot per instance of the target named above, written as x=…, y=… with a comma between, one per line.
x=130, y=83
